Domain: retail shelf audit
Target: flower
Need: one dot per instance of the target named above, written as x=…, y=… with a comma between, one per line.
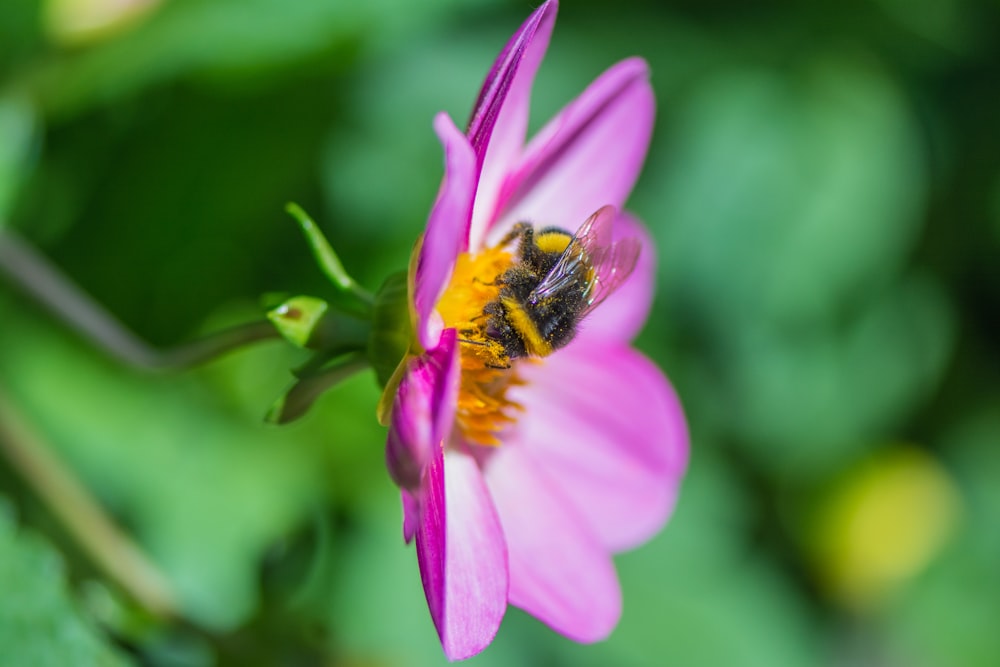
x=519, y=483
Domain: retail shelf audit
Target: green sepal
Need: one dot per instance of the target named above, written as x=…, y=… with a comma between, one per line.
x=392, y=332
x=313, y=380
x=351, y=296
x=299, y=318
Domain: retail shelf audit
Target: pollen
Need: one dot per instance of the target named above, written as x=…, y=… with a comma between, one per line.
x=483, y=407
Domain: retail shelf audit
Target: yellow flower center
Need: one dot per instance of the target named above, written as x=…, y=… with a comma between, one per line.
x=483, y=407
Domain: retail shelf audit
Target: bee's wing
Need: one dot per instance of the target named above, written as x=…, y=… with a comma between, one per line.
x=612, y=266
x=592, y=250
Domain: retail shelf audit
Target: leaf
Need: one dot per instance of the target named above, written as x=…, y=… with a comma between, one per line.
x=965, y=581
x=204, y=491
x=18, y=138
x=789, y=193
x=229, y=40
x=811, y=398
x=40, y=623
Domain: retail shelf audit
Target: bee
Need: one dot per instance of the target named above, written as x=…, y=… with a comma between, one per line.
x=555, y=282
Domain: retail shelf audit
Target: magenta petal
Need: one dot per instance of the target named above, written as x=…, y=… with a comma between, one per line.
x=411, y=515
x=462, y=555
x=559, y=571
x=499, y=120
x=623, y=314
x=588, y=156
x=525, y=49
x=447, y=226
x=423, y=412
x=606, y=427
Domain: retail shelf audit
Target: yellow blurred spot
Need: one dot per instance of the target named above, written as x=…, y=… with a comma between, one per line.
x=77, y=22
x=883, y=524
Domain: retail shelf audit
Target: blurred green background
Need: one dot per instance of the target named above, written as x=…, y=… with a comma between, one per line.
x=824, y=190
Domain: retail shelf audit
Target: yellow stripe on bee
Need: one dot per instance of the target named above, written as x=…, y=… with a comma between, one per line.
x=553, y=242
x=525, y=326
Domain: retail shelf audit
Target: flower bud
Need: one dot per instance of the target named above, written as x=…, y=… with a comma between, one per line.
x=298, y=319
x=391, y=329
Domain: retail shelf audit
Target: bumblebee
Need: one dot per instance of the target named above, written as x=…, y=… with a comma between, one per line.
x=557, y=279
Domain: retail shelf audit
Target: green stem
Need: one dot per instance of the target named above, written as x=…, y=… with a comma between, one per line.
x=109, y=548
x=40, y=279
x=328, y=260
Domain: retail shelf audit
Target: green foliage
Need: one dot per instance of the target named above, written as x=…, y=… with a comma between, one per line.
x=17, y=139
x=231, y=492
x=959, y=579
x=40, y=622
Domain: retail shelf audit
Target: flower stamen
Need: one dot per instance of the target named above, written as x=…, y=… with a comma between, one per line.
x=483, y=408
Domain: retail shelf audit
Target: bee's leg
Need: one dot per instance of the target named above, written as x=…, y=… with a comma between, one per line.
x=474, y=320
x=472, y=342
x=479, y=281
x=497, y=282
x=519, y=230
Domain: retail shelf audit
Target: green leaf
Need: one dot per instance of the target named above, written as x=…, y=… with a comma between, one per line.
x=229, y=40
x=204, y=489
x=811, y=399
x=40, y=623
x=964, y=582
x=788, y=193
x=18, y=136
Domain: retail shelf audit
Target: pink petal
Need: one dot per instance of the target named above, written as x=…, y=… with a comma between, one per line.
x=423, y=412
x=588, y=156
x=622, y=315
x=499, y=120
x=411, y=515
x=605, y=426
x=559, y=571
x=462, y=555
x=447, y=226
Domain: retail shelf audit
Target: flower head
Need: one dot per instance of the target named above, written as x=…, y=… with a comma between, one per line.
x=531, y=444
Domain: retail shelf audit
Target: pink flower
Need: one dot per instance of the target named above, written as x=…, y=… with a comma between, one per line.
x=518, y=484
